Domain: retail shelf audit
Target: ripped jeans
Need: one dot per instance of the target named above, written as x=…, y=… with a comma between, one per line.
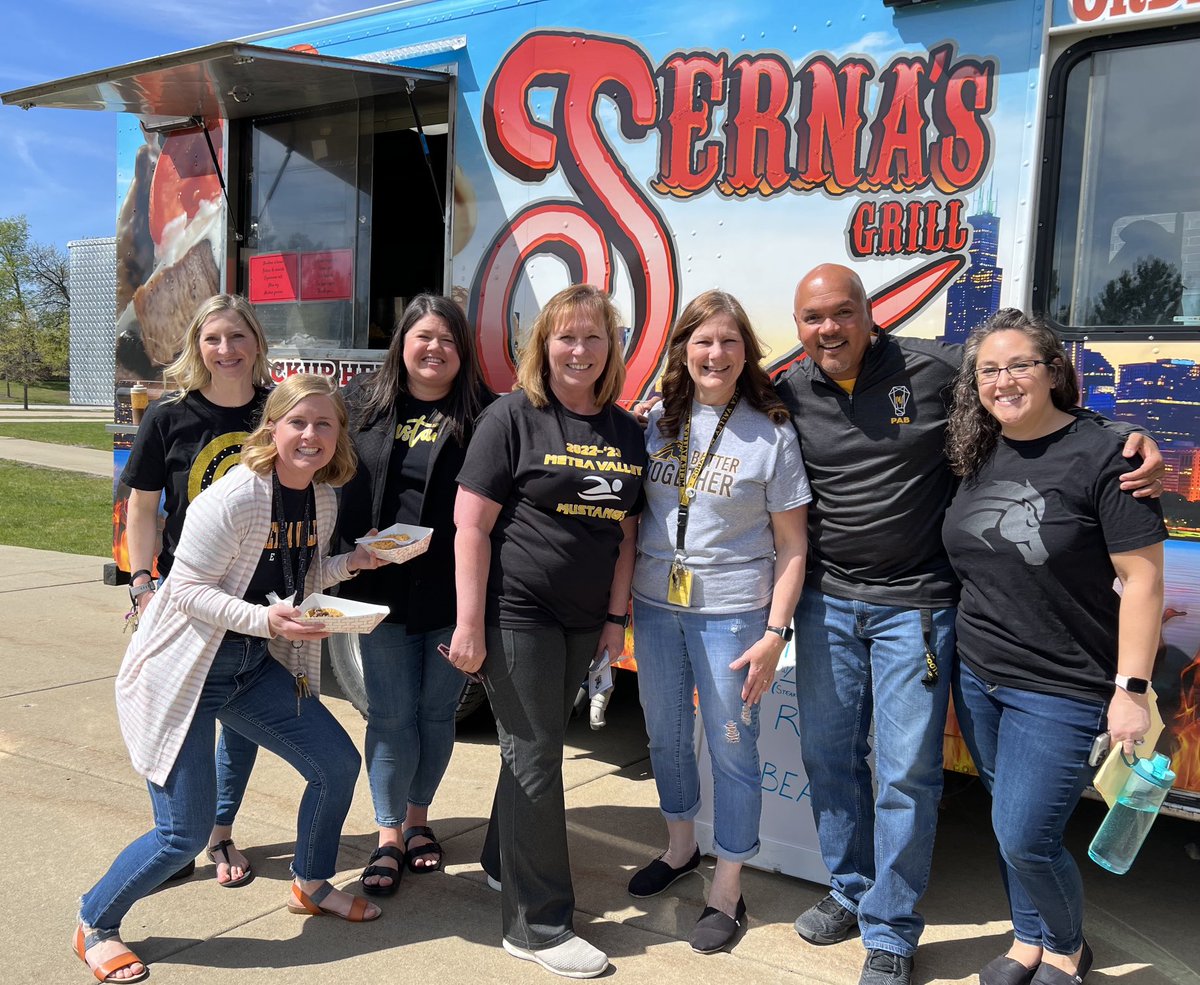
x=678, y=652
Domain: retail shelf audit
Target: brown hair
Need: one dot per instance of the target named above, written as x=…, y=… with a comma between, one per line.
x=391, y=381
x=188, y=371
x=533, y=371
x=677, y=385
x=972, y=432
x=258, y=450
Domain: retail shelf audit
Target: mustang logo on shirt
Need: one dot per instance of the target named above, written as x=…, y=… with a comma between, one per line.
x=1013, y=511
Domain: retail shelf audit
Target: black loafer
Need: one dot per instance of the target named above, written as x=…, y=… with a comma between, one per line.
x=657, y=876
x=1047, y=974
x=1006, y=971
x=716, y=928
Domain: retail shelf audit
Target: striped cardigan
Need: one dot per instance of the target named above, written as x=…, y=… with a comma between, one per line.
x=163, y=672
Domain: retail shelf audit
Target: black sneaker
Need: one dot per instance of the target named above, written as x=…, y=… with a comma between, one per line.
x=885, y=968
x=658, y=875
x=826, y=923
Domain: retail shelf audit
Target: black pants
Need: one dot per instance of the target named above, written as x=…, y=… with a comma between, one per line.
x=531, y=677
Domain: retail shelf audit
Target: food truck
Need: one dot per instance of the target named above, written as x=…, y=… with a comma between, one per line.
x=961, y=155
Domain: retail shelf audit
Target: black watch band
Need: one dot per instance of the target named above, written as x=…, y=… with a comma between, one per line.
x=785, y=633
x=617, y=620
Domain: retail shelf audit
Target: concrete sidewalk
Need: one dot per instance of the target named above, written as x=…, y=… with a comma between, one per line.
x=90, y=461
x=72, y=802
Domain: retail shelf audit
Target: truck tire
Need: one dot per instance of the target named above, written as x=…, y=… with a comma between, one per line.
x=346, y=660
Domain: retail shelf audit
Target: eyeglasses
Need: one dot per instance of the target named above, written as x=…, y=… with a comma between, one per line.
x=1018, y=371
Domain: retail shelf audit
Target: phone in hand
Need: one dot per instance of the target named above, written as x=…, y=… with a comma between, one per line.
x=1100, y=747
x=472, y=677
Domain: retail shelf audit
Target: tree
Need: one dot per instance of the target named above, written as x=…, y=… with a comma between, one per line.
x=1147, y=295
x=35, y=303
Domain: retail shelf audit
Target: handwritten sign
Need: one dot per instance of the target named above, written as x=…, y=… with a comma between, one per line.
x=327, y=276
x=273, y=278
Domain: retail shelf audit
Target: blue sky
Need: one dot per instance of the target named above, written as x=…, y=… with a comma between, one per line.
x=58, y=167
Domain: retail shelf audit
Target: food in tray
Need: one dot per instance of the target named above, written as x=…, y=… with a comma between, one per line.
x=393, y=543
x=323, y=612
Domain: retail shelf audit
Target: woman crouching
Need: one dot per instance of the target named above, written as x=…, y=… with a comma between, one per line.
x=210, y=648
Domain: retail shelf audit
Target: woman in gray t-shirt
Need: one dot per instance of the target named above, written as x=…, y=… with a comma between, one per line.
x=720, y=565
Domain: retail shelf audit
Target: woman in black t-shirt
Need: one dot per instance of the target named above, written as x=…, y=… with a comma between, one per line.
x=547, y=518
x=1037, y=533
x=412, y=422
x=187, y=441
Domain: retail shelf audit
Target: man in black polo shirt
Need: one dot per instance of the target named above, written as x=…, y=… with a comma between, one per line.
x=875, y=626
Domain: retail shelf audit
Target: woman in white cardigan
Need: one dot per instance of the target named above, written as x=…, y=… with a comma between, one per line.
x=210, y=647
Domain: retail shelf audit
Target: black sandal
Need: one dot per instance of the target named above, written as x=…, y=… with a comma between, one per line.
x=382, y=871
x=433, y=848
x=223, y=847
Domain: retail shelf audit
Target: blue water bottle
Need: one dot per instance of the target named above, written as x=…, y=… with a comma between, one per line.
x=1128, y=820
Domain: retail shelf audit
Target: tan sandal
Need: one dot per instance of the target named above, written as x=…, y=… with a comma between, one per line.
x=110, y=967
x=301, y=902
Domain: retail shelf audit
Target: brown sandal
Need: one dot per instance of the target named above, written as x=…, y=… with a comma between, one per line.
x=301, y=902
x=110, y=967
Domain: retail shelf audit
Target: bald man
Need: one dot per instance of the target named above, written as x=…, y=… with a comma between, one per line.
x=875, y=625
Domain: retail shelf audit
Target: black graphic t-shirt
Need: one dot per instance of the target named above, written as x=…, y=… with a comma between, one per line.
x=565, y=482
x=183, y=447
x=418, y=425
x=300, y=541
x=1030, y=538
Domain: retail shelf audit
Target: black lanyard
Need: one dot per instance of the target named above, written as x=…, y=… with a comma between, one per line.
x=687, y=481
x=292, y=578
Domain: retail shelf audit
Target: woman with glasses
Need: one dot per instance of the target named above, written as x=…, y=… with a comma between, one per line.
x=1050, y=655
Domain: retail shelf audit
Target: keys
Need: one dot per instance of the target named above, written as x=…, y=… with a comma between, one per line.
x=302, y=689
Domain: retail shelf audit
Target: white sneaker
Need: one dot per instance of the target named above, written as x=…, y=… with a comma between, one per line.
x=494, y=884
x=573, y=958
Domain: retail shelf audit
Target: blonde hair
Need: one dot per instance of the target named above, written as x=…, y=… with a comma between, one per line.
x=259, y=451
x=188, y=371
x=533, y=370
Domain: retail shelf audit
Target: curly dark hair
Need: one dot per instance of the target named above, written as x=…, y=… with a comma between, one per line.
x=677, y=386
x=972, y=432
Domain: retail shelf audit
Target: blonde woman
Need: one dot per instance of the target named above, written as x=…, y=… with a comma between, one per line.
x=547, y=518
x=185, y=442
x=210, y=647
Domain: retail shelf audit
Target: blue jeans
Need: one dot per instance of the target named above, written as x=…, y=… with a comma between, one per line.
x=235, y=760
x=855, y=660
x=1031, y=751
x=679, y=653
x=250, y=693
x=412, y=694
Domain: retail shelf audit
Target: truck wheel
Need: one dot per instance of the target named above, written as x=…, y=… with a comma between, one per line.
x=346, y=660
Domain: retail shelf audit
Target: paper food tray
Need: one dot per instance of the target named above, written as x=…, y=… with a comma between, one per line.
x=357, y=617
x=416, y=544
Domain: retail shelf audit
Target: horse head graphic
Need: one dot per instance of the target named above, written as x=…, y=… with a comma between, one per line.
x=1013, y=510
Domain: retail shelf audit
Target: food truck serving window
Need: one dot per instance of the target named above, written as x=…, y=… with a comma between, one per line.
x=1123, y=252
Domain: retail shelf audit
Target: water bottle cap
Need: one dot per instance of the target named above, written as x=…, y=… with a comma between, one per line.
x=1157, y=770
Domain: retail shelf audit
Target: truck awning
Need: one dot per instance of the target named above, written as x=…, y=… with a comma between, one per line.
x=229, y=80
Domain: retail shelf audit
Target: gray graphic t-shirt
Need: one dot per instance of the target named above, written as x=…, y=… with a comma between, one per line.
x=755, y=469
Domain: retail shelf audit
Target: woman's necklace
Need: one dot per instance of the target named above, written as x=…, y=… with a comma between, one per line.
x=293, y=577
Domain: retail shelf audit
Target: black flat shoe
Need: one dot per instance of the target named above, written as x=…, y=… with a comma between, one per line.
x=1006, y=971
x=657, y=876
x=1049, y=975
x=716, y=928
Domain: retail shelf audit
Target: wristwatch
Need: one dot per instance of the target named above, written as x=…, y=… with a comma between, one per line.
x=785, y=633
x=1134, y=685
x=617, y=620
x=136, y=591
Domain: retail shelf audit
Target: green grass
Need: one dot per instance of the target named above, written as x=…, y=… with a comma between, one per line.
x=46, y=392
x=80, y=434
x=53, y=510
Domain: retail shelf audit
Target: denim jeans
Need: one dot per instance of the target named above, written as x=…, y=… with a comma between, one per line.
x=681, y=652
x=1031, y=751
x=854, y=661
x=235, y=761
x=412, y=694
x=531, y=677
x=252, y=694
